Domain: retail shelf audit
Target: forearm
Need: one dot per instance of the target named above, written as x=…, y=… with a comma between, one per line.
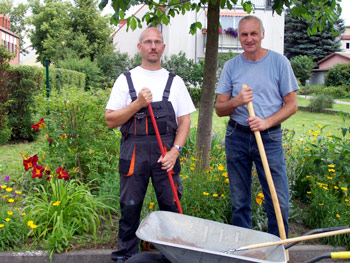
x=118, y=118
x=225, y=108
x=290, y=107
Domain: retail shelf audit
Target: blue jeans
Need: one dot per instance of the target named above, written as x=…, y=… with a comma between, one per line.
x=241, y=152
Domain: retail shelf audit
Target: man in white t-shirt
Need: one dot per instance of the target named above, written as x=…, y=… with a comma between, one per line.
x=140, y=156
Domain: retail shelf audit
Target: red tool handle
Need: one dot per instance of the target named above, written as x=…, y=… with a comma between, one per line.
x=163, y=154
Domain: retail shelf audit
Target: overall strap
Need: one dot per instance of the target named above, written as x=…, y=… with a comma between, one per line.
x=131, y=86
x=166, y=92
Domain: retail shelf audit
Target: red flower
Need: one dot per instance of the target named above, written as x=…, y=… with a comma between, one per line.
x=49, y=139
x=37, y=171
x=30, y=163
x=38, y=125
x=62, y=174
x=220, y=30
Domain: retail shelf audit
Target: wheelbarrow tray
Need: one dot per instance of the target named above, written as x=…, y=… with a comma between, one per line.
x=187, y=239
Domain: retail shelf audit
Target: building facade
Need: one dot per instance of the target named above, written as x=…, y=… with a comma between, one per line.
x=9, y=39
x=178, y=38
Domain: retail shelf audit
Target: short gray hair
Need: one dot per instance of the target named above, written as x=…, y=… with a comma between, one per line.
x=250, y=17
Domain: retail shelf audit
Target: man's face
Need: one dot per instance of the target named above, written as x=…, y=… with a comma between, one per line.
x=250, y=35
x=151, y=46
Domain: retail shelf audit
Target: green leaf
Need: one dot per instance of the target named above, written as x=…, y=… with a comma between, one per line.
x=103, y=4
x=133, y=23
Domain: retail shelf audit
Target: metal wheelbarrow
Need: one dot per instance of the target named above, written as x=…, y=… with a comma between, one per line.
x=187, y=239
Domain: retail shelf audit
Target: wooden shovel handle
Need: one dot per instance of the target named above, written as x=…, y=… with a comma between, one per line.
x=271, y=185
x=297, y=239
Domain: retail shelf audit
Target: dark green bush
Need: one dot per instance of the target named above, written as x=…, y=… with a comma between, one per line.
x=187, y=69
x=5, y=76
x=302, y=66
x=23, y=86
x=338, y=75
x=60, y=77
x=321, y=102
x=92, y=71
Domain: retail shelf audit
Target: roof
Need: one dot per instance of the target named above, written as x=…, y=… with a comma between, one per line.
x=341, y=54
x=4, y=29
x=345, y=37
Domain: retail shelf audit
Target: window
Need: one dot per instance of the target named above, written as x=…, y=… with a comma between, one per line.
x=229, y=21
x=347, y=45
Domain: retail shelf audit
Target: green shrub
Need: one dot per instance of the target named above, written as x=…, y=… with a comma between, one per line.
x=23, y=86
x=92, y=71
x=302, y=66
x=321, y=102
x=187, y=69
x=60, y=77
x=81, y=141
x=338, y=75
x=112, y=65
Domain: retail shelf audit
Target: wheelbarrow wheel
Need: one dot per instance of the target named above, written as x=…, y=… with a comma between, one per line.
x=148, y=257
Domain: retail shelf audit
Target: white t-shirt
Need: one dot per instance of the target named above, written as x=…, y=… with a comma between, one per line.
x=155, y=81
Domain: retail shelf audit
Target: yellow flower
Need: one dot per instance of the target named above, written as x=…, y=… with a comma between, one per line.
x=331, y=170
x=307, y=149
x=7, y=219
x=331, y=165
x=336, y=187
x=329, y=177
x=192, y=168
x=321, y=204
x=309, y=192
x=219, y=148
x=225, y=174
x=9, y=189
x=217, y=179
x=329, y=135
x=2, y=225
x=195, y=124
x=194, y=159
x=227, y=181
x=215, y=195
x=31, y=224
x=259, y=198
x=23, y=214
x=3, y=186
x=223, y=196
x=344, y=188
x=150, y=207
x=11, y=200
x=18, y=192
x=57, y=203
x=205, y=193
x=221, y=167
x=337, y=215
x=10, y=213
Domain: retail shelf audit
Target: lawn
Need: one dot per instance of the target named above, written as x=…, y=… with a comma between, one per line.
x=301, y=123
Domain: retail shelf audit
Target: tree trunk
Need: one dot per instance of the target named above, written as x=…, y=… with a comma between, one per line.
x=206, y=105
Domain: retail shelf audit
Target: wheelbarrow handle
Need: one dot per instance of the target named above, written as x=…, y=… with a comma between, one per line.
x=294, y=239
x=332, y=255
x=177, y=201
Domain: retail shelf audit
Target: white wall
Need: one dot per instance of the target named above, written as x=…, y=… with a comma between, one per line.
x=177, y=37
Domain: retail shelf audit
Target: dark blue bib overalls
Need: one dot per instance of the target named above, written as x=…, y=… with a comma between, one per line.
x=139, y=153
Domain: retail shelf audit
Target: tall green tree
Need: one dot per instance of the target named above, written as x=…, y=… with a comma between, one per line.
x=318, y=12
x=298, y=42
x=17, y=15
x=69, y=29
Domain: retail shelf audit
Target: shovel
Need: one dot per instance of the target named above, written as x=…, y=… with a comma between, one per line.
x=177, y=201
x=271, y=185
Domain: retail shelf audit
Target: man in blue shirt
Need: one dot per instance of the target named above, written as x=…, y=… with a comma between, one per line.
x=272, y=86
